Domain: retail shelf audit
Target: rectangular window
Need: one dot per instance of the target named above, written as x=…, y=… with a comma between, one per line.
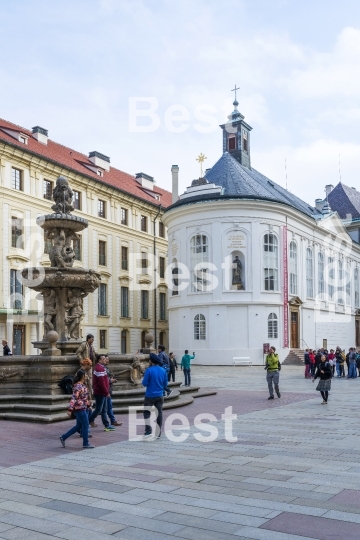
x=161, y=229
x=101, y=208
x=102, y=339
x=102, y=299
x=144, y=263
x=77, y=248
x=143, y=223
x=331, y=274
x=102, y=253
x=162, y=267
x=124, y=216
x=124, y=258
x=123, y=341
x=124, y=301
x=47, y=190
x=162, y=306
x=144, y=304
x=77, y=200
x=16, y=179
x=16, y=290
x=232, y=143
x=245, y=141
x=17, y=232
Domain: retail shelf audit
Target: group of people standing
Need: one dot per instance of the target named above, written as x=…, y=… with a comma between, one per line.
x=337, y=360
x=95, y=385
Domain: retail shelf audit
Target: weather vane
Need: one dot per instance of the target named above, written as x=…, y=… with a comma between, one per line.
x=234, y=90
x=201, y=158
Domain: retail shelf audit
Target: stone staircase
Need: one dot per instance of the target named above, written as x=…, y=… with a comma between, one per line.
x=295, y=358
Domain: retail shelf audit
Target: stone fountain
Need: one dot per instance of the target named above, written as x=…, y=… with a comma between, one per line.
x=62, y=287
x=29, y=385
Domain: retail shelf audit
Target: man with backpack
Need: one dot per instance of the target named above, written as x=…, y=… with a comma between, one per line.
x=273, y=366
x=164, y=363
x=340, y=361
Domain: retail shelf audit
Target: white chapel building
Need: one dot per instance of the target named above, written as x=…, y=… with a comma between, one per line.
x=252, y=264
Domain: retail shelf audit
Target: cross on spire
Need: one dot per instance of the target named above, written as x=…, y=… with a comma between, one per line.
x=234, y=90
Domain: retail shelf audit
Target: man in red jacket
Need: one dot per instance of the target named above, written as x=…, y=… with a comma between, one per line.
x=101, y=391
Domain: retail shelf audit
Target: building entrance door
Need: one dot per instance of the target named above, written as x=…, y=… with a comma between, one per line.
x=357, y=332
x=19, y=339
x=294, y=330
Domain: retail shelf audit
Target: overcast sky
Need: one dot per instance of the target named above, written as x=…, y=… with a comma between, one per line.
x=72, y=67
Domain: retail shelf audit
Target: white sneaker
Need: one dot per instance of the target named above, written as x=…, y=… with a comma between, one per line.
x=147, y=437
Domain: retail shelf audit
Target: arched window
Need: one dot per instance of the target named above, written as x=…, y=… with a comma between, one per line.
x=271, y=262
x=272, y=326
x=199, y=255
x=321, y=275
x=293, y=268
x=309, y=273
x=199, y=327
x=357, y=288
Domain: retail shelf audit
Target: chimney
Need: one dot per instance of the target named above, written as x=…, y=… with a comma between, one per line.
x=319, y=204
x=40, y=134
x=328, y=189
x=145, y=180
x=175, y=183
x=100, y=160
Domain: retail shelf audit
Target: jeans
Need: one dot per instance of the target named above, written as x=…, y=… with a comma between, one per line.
x=150, y=402
x=339, y=369
x=82, y=425
x=352, y=371
x=110, y=412
x=100, y=408
x=272, y=377
x=187, y=376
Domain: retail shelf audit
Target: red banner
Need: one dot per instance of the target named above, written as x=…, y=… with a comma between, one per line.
x=286, y=285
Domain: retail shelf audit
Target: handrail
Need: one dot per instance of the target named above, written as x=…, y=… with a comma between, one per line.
x=307, y=346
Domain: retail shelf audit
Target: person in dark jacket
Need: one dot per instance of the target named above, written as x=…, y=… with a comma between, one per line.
x=164, y=363
x=112, y=380
x=352, y=374
x=339, y=355
x=101, y=389
x=324, y=373
x=173, y=367
x=6, y=348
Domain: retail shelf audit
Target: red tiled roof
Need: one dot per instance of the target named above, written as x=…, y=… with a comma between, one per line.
x=76, y=161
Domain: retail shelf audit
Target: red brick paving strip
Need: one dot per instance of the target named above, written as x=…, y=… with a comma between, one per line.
x=313, y=527
x=22, y=442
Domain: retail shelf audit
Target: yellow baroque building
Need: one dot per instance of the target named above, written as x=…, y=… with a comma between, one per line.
x=126, y=241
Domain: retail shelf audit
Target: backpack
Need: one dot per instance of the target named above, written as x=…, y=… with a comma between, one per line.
x=66, y=384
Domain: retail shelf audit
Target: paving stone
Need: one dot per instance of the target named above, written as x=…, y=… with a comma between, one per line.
x=314, y=527
x=300, y=493
x=73, y=508
x=202, y=534
x=75, y=520
x=105, y=486
x=201, y=523
x=132, y=533
x=154, y=524
x=32, y=523
x=18, y=533
x=182, y=509
x=75, y=533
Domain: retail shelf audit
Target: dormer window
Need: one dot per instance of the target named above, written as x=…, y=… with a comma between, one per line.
x=245, y=141
x=232, y=143
x=100, y=172
x=23, y=139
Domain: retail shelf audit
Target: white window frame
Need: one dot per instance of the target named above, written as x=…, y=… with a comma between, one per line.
x=199, y=327
x=309, y=272
x=293, y=278
x=357, y=288
x=199, y=255
x=270, y=262
x=273, y=327
x=341, y=275
x=321, y=275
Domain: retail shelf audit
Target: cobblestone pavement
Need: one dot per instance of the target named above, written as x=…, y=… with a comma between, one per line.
x=291, y=475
